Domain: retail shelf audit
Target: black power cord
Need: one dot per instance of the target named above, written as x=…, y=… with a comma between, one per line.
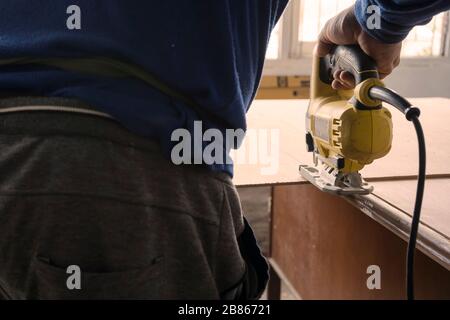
x=412, y=114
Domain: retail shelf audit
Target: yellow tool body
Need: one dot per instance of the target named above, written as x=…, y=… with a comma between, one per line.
x=346, y=129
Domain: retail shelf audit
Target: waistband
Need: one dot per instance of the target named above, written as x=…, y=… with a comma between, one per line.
x=45, y=116
x=15, y=104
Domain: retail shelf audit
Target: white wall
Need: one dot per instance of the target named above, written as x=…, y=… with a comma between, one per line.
x=421, y=78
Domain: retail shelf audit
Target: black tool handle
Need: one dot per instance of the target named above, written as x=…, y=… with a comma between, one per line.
x=349, y=58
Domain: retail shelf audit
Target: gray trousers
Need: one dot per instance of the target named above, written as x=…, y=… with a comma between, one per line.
x=89, y=210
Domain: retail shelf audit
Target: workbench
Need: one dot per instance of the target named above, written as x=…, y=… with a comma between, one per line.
x=322, y=245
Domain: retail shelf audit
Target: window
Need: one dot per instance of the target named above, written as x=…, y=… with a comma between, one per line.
x=296, y=34
x=428, y=40
x=274, y=47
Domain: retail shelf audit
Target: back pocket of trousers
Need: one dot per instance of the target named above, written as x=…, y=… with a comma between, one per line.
x=50, y=282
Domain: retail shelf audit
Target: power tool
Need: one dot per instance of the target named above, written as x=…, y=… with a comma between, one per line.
x=349, y=129
x=346, y=129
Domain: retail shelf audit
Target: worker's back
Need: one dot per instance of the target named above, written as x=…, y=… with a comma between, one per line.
x=212, y=51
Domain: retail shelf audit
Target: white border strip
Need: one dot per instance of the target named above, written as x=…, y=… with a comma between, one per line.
x=54, y=108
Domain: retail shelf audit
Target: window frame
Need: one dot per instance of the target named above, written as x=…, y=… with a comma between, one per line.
x=291, y=62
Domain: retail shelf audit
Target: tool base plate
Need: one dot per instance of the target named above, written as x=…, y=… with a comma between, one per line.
x=314, y=176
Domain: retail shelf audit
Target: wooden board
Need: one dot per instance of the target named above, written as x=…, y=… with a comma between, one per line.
x=287, y=117
x=436, y=203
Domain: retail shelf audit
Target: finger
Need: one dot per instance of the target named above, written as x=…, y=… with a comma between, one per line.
x=383, y=75
x=385, y=72
x=385, y=68
x=324, y=43
x=396, y=62
x=348, y=79
x=340, y=84
x=323, y=48
x=344, y=79
x=337, y=85
x=337, y=74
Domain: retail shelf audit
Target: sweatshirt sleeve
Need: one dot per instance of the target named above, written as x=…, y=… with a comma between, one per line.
x=397, y=17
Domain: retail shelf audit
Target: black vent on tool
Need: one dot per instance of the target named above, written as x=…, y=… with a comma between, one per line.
x=309, y=142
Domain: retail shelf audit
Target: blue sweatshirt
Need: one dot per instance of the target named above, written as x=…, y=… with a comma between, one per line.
x=212, y=51
x=398, y=17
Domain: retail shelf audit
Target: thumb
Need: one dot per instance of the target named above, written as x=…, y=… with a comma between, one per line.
x=324, y=44
x=340, y=30
x=323, y=48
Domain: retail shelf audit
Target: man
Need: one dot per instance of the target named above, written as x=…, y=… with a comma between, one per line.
x=91, y=204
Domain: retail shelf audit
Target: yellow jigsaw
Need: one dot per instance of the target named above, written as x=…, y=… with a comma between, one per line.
x=346, y=129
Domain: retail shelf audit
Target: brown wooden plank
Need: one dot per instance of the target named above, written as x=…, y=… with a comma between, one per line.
x=323, y=245
x=429, y=241
x=436, y=205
